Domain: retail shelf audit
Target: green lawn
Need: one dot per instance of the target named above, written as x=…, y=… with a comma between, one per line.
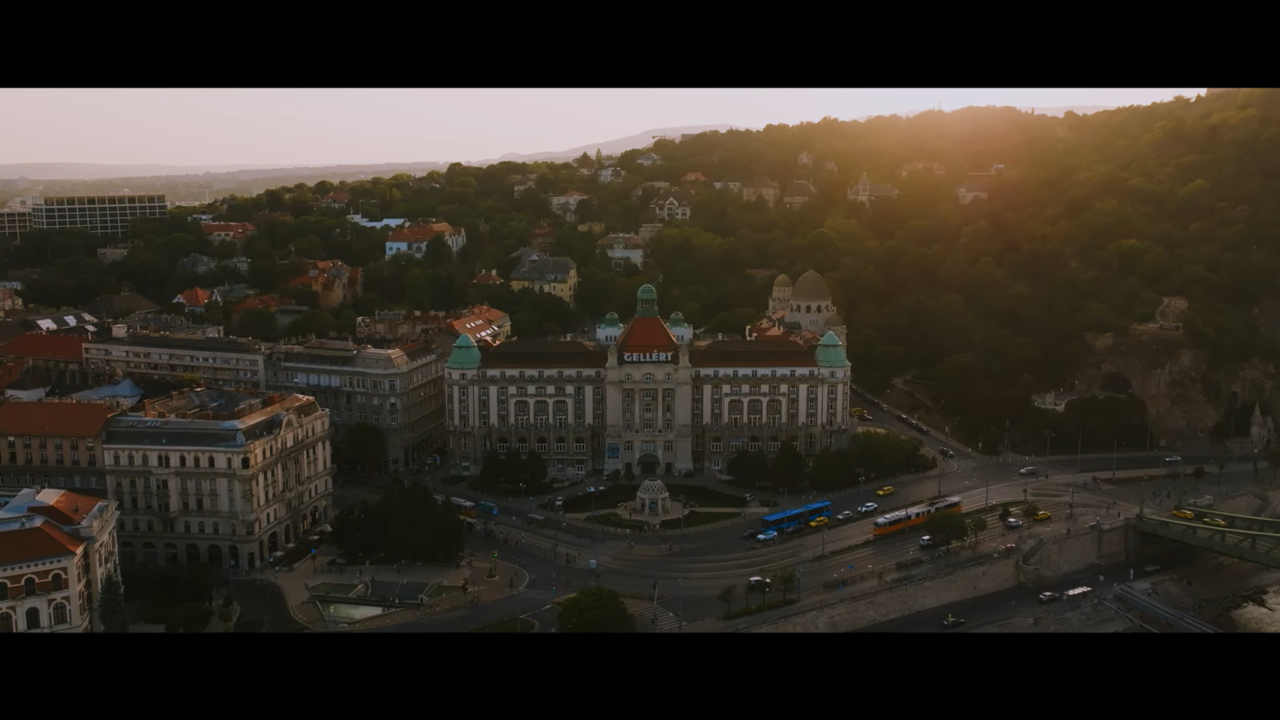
x=443, y=591
x=615, y=520
x=694, y=519
x=510, y=625
x=706, y=497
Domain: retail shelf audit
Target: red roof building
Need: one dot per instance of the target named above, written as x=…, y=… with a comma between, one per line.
x=336, y=199
x=235, y=232
x=332, y=280
x=41, y=346
x=257, y=302
x=194, y=298
x=488, y=277
x=52, y=419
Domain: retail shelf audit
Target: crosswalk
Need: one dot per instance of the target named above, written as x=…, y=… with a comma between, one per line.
x=541, y=594
x=666, y=620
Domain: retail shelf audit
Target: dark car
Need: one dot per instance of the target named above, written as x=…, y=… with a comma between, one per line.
x=750, y=534
x=952, y=622
x=946, y=453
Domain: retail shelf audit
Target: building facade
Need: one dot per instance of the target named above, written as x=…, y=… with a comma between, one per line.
x=644, y=397
x=13, y=222
x=213, y=361
x=217, y=476
x=56, y=548
x=555, y=275
x=399, y=390
x=101, y=214
x=623, y=250
x=53, y=444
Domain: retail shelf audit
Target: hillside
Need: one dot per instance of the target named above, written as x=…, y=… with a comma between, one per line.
x=609, y=147
x=1092, y=221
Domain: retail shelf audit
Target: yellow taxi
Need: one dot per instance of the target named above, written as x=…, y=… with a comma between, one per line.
x=819, y=522
x=1216, y=522
x=886, y=490
x=1184, y=514
x=1042, y=515
x=857, y=411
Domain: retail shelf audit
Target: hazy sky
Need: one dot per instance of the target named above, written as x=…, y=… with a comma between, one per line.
x=334, y=126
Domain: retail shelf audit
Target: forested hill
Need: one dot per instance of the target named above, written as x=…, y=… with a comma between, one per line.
x=1092, y=220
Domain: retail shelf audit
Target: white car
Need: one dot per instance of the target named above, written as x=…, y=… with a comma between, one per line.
x=926, y=541
x=1173, y=459
x=767, y=536
x=845, y=515
x=559, y=502
x=868, y=508
x=1027, y=471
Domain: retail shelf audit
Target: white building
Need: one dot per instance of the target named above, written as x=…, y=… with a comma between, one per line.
x=644, y=397
x=414, y=238
x=221, y=477
x=673, y=205
x=212, y=361
x=56, y=548
x=623, y=250
x=648, y=159
x=566, y=206
x=610, y=174
x=101, y=215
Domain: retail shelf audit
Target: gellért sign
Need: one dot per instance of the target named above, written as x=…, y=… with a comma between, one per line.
x=647, y=357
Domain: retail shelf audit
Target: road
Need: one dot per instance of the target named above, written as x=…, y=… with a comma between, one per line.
x=1020, y=601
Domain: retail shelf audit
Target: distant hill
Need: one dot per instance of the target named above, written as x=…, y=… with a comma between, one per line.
x=609, y=147
x=91, y=171
x=1050, y=111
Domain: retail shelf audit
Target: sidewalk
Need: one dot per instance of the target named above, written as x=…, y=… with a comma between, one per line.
x=296, y=584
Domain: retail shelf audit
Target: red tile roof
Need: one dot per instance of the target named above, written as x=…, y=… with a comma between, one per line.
x=195, y=297
x=257, y=302
x=543, y=230
x=39, y=346
x=645, y=334
x=693, y=177
x=41, y=542
x=64, y=507
x=421, y=231
x=54, y=419
x=488, y=278
x=337, y=198
x=237, y=230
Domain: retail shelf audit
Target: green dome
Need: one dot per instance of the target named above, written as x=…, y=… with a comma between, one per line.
x=830, y=352
x=647, y=292
x=611, y=320
x=677, y=320
x=465, y=355
x=646, y=301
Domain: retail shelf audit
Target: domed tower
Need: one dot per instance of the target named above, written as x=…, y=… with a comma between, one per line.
x=608, y=331
x=830, y=353
x=465, y=355
x=646, y=301
x=781, y=297
x=680, y=329
x=811, y=302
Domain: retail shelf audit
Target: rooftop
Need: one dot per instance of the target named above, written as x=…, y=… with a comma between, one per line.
x=208, y=418
x=553, y=353
x=748, y=353
x=53, y=419
x=40, y=346
x=188, y=342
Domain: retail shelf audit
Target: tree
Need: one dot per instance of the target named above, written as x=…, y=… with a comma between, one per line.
x=595, y=610
x=977, y=524
x=533, y=470
x=786, y=582
x=366, y=444
x=788, y=468
x=111, y=610
x=749, y=469
x=1030, y=510
x=1005, y=513
x=946, y=528
x=406, y=524
x=190, y=617
x=726, y=596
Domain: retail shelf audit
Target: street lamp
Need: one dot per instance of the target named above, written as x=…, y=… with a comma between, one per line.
x=1048, y=436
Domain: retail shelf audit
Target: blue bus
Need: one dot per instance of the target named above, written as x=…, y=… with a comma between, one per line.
x=799, y=516
x=488, y=508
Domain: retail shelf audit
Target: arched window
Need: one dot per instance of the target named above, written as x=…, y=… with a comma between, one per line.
x=215, y=527
x=57, y=582
x=195, y=461
x=146, y=459
x=29, y=586
x=186, y=527
x=60, y=614
x=200, y=527
x=228, y=463
x=151, y=526
x=167, y=461
x=182, y=461
x=33, y=618
x=129, y=458
x=6, y=622
x=210, y=463
x=808, y=308
x=117, y=459
x=541, y=445
x=244, y=463
x=135, y=525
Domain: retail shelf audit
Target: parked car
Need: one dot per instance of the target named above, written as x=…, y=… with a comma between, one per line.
x=1048, y=597
x=1030, y=470
x=767, y=536
x=844, y=515
x=868, y=508
x=886, y=490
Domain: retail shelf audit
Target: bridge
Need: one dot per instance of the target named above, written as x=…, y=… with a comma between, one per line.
x=1245, y=537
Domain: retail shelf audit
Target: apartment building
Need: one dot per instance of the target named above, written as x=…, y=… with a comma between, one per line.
x=399, y=389
x=56, y=547
x=13, y=221
x=101, y=214
x=53, y=444
x=211, y=361
x=218, y=476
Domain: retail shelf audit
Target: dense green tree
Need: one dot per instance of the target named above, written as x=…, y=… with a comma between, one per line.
x=595, y=609
x=946, y=528
x=406, y=524
x=788, y=467
x=366, y=444
x=111, y=610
